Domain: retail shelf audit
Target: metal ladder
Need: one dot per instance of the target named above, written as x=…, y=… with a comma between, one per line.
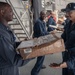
x=18, y=26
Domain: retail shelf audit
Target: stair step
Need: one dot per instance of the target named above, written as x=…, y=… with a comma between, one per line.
x=19, y=33
x=21, y=36
x=22, y=39
x=15, y=26
x=14, y=23
x=22, y=31
x=17, y=29
x=14, y=18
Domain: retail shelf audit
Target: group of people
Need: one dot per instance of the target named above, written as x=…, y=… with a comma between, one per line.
x=42, y=28
x=10, y=60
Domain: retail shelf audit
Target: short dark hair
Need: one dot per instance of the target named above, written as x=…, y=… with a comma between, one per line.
x=42, y=12
x=49, y=11
x=3, y=4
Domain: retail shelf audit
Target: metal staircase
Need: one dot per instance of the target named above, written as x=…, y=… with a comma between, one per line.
x=19, y=25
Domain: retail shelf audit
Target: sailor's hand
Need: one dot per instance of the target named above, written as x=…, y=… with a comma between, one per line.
x=61, y=65
x=54, y=65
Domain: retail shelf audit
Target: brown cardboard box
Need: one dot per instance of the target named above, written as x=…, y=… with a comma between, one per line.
x=44, y=49
x=39, y=41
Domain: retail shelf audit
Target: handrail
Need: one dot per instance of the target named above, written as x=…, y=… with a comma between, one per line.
x=31, y=27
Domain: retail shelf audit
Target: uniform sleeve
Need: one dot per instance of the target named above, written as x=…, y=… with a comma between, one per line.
x=42, y=29
x=8, y=53
x=71, y=61
x=50, y=21
x=38, y=30
x=71, y=58
x=70, y=44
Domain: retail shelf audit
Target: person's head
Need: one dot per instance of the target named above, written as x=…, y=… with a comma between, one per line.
x=49, y=12
x=43, y=15
x=6, y=12
x=70, y=10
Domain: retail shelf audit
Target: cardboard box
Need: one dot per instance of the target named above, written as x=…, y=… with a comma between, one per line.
x=39, y=41
x=43, y=49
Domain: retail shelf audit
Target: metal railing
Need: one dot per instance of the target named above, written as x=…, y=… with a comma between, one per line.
x=30, y=19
